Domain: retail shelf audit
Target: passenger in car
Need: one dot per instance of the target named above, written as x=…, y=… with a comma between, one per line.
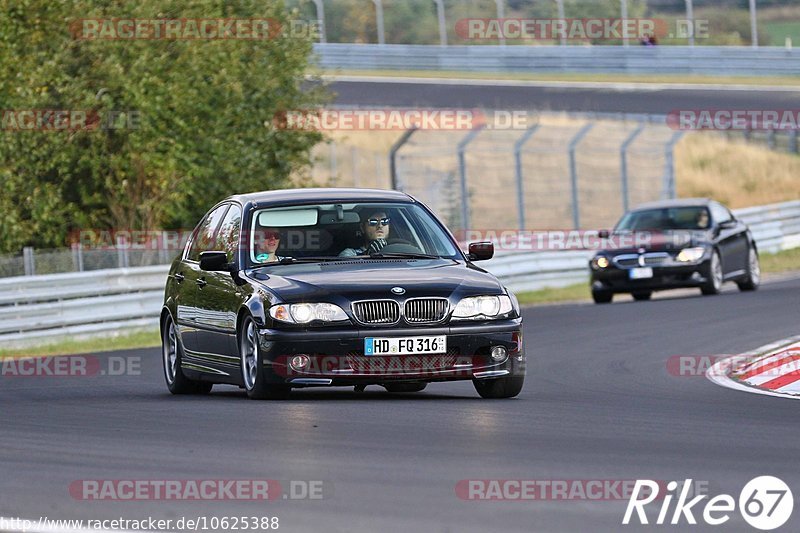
x=267, y=243
x=375, y=228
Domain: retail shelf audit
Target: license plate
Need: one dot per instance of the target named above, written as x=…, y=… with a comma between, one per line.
x=641, y=273
x=405, y=345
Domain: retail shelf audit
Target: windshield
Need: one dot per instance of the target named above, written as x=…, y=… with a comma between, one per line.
x=336, y=231
x=672, y=218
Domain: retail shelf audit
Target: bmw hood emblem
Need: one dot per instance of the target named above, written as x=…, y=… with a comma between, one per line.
x=398, y=290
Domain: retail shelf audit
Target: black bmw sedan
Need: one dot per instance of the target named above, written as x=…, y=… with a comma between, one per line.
x=673, y=244
x=335, y=287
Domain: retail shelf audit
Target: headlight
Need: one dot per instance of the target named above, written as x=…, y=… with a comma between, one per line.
x=691, y=255
x=600, y=262
x=481, y=307
x=305, y=313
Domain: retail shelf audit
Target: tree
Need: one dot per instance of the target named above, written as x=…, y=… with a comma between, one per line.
x=192, y=119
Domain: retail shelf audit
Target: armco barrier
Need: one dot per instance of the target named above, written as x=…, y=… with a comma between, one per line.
x=42, y=308
x=706, y=60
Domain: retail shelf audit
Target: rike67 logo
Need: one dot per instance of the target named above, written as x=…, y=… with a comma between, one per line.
x=765, y=503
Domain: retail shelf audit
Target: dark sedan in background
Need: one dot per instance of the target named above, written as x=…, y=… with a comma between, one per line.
x=327, y=287
x=674, y=244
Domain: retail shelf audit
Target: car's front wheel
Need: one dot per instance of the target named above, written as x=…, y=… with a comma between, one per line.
x=713, y=276
x=602, y=297
x=505, y=387
x=172, y=355
x=753, y=279
x=253, y=373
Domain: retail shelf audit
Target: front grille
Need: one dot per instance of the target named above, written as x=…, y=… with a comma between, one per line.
x=634, y=260
x=426, y=310
x=377, y=312
x=625, y=261
x=655, y=259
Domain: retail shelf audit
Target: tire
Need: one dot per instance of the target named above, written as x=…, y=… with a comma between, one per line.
x=405, y=387
x=642, y=296
x=753, y=279
x=714, y=275
x=602, y=297
x=171, y=357
x=253, y=374
x=505, y=387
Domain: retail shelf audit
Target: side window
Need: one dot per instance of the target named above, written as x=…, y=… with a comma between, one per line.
x=720, y=214
x=205, y=240
x=228, y=234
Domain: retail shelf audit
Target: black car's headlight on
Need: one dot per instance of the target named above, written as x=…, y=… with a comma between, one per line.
x=305, y=313
x=600, y=262
x=691, y=255
x=483, y=307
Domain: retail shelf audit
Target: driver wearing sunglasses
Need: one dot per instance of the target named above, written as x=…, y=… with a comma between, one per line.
x=267, y=242
x=375, y=229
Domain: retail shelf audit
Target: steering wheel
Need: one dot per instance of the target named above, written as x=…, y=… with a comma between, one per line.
x=400, y=246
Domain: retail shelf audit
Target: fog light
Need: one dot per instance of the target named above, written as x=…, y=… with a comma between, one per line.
x=300, y=362
x=499, y=353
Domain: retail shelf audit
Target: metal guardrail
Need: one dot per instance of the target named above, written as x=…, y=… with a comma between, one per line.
x=722, y=60
x=37, y=309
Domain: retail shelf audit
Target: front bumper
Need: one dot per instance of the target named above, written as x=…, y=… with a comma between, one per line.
x=336, y=356
x=617, y=280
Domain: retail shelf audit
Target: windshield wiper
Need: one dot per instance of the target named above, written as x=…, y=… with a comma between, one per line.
x=403, y=255
x=300, y=260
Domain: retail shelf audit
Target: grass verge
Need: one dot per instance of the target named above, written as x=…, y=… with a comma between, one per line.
x=788, y=81
x=127, y=341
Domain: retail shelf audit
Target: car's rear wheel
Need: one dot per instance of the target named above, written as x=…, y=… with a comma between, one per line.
x=753, y=279
x=713, y=275
x=253, y=374
x=405, y=387
x=642, y=296
x=602, y=297
x=505, y=387
x=172, y=355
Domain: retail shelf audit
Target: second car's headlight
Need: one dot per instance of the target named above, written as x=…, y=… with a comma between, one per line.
x=691, y=255
x=481, y=307
x=307, y=312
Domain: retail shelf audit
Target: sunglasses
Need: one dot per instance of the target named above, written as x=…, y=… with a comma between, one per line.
x=272, y=236
x=383, y=222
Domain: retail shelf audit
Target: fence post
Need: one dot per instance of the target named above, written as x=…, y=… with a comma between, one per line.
x=442, y=22
x=77, y=256
x=354, y=163
x=753, y=24
x=379, y=21
x=518, y=171
x=334, y=164
x=624, y=16
x=623, y=164
x=323, y=38
x=573, y=173
x=669, y=170
x=501, y=14
x=462, y=170
x=793, y=141
x=561, y=16
x=393, y=155
x=29, y=261
x=690, y=18
x=771, y=139
x=123, y=259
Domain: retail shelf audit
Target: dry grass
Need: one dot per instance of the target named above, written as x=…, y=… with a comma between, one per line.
x=734, y=172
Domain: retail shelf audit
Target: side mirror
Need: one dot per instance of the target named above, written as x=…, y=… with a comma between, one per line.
x=728, y=224
x=604, y=234
x=214, y=262
x=480, y=251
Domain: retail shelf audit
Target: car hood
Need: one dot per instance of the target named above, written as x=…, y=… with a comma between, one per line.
x=657, y=242
x=374, y=279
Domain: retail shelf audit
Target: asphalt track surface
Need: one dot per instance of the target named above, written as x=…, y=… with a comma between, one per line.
x=603, y=98
x=598, y=404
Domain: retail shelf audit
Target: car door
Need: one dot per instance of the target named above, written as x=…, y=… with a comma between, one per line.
x=731, y=236
x=219, y=297
x=190, y=321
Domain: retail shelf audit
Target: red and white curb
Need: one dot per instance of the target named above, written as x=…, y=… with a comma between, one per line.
x=771, y=370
